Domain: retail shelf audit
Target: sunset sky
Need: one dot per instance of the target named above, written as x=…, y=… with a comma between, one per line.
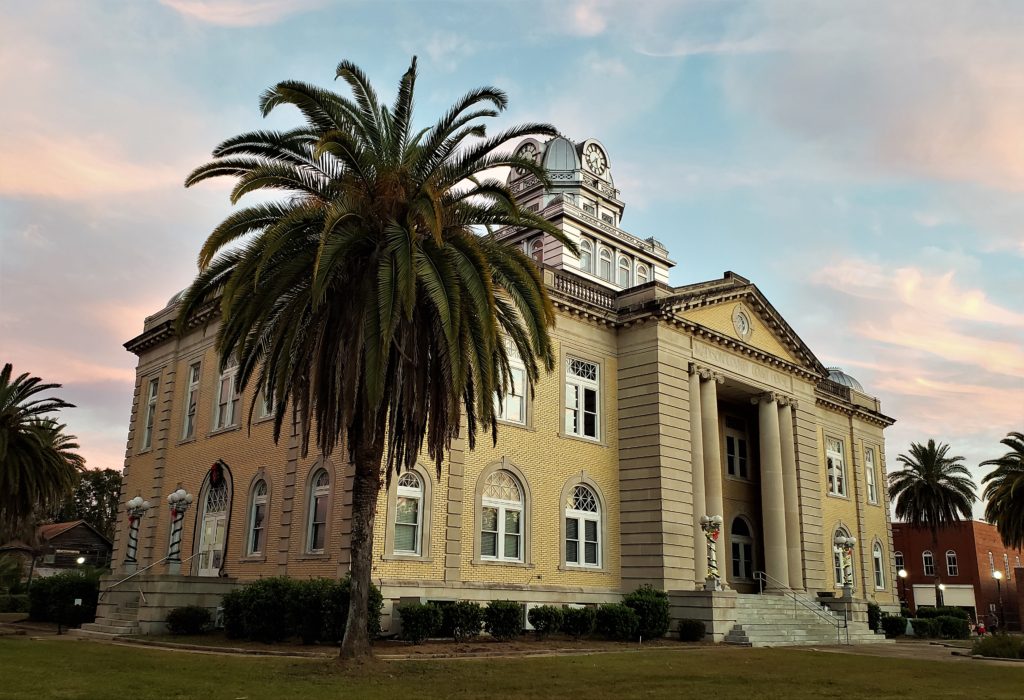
x=862, y=163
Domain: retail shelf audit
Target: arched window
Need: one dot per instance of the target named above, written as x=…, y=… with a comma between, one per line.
x=537, y=250
x=837, y=559
x=409, y=514
x=604, y=264
x=642, y=275
x=898, y=558
x=582, y=528
x=869, y=473
x=214, y=529
x=929, y=563
x=1006, y=565
x=991, y=563
x=587, y=256
x=879, y=566
x=741, y=541
x=320, y=490
x=501, y=521
x=623, y=278
x=257, y=518
x=951, y=565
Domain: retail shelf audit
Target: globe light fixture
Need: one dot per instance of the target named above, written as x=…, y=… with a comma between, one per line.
x=80, y=560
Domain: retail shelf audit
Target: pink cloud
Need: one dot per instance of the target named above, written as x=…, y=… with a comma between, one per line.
x=241, y=13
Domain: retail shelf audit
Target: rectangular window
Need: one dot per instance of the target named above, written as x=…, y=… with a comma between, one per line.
x=266, y=403
x=929, y=563
x=836, y=467
x=588, y=546
x=318, y=524
x=489, y=533
x=147, y=434
x=951, y=565
x=259, y=515
x=608, y=219
x=736, y=449
x=226, y=410
x=513, y=408
x=898, y=558
x=879, y=576
x=407, y=525
x=590, y=209
x=582, y=399
x=188, y=427
x=869, y=470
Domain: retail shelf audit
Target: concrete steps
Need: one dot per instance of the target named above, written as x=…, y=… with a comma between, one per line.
x=120, y=622
x=775, y=620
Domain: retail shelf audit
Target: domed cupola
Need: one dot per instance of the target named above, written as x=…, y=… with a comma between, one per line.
x=840, y=377
x=560, y=156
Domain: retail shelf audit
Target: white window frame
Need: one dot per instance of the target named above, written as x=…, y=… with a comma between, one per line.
x=537, y=250
x=732, y=462
x=503, y=506
x=415, y=493
x=991, y=563
x=256, y=500
x=899, y=560
x=228, y=417
x=152, y=389
x=605, y=264
x=188, y=423
x=878, y=562
x=742, y=541
x=952, y=565
x=586, y=256
x=1006, y=566
x=928, y=563
x=265, y=406
x=869, y=471
x=642, y=274
x=582, y=517
x=576, y=388
x=316, y=492
x=623, y=266
x=505, y=410
x=836, y=466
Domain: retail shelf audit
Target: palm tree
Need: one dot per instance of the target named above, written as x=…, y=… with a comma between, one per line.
x=374, y=299
x=38, y=463
x=1005, y=491
x=932, y=491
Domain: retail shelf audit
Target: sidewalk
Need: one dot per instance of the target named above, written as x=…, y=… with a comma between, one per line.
x=918, y=650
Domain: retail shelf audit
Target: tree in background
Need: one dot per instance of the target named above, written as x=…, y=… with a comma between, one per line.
x=1005, y=491
x=94, y=500
x=38, y=462
x=932, y=491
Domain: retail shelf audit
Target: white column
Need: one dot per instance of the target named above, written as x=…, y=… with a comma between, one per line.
x=697, y=469
x=791, y=494
x=773, y=503
x=712, y=450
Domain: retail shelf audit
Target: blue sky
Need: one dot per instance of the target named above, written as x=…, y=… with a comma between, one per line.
x=863, y=163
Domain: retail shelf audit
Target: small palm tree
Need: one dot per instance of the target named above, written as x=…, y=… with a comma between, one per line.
x=1005, y=491
x=374, y=300
x=38, y=463
x=932, y=491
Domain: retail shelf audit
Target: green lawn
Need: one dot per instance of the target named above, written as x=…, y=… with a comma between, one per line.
x=82, y=669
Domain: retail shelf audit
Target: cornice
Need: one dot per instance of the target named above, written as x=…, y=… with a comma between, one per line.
x=164, y=331
x=879, y=419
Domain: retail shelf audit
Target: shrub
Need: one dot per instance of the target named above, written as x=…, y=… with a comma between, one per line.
x=652, y=609
x=503, y=619
x=13, y=603
x=52, y=599
x=905, y=612
x=545, y=619
x=691, y=630
x=999, y=645
x=190, y=619
x=466, y=619
x=617, y=621
x=950, y=627
x=337, y=610
x=419, y=621
x=309, y=607
x=267, y=608
x=894, y=625
x=923, y=627
x=447, y=626
x=874, y=616
x=233, y=607
x=944, y=611
x=578, y=622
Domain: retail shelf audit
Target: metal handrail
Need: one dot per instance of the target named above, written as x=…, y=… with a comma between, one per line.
x=140, y=571
x=764, y=579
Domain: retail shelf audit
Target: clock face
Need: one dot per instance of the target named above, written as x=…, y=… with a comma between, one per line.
x=741, y=322
x=596, y=160
x=529, y=152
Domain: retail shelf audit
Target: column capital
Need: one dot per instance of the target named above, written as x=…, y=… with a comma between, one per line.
x=787, y=401
x=766, y=397
x=706, y=373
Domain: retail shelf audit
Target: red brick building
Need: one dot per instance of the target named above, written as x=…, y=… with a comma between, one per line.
x=965, y=560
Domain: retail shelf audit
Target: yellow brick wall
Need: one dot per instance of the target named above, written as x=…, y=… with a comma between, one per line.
x=719, y=318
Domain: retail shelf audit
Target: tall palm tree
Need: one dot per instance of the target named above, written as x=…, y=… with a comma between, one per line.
x=38, y=463
x=373, y=298
x=932, y=491
x=1005, y=491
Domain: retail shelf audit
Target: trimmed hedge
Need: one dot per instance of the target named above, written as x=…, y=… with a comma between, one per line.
x=10, y=603
x=52, y=598
x=578, y=622
x=691, y=630
x=465, y=619
x=545, y=619
x=190, y=619
x=945, y=611
x=503, y=619
x=894, y=626
x=652, y=609
x=617, y=621
x=874, y=616
x=924, y=627
x=950, y=627
x=999, y=645
x=419, y=621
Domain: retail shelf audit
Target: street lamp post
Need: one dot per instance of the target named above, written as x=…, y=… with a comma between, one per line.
x=942, y=598
x=179, y=501
x=902, y=573
x=712, y=526
x=998, y=576
x=844, y=548
x=136, y=508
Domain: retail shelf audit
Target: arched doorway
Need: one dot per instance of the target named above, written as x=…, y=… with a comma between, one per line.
x=212, y=521
x=741, y=546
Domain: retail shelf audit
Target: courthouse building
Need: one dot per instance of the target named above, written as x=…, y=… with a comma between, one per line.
x=668, y=404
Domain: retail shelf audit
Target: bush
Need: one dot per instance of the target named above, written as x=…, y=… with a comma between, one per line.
x=466, y=619
x=233, y=607
x=894, y=626
x=419, y=621
x=944, y=611
x=874, y=616
x=52, y=599
x=267, y=608
x=999, y=645
x=310, y=607
x=545, y=620
x=13, y=603
x=923, y=627
x=190, y=619
x=503, y=619
x=617, y=621
x=578, y=622
x=905, y=612
x=691, y=630
x=652, y=609
x=950, y=627
x=337, y=610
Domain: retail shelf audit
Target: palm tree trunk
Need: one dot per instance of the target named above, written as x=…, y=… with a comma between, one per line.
x=365, y=490
x=939, y=602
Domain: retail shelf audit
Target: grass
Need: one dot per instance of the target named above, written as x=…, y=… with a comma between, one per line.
x=83, y=669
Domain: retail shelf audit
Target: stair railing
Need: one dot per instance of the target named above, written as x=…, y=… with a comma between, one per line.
x=840, y=623
x=140, y=571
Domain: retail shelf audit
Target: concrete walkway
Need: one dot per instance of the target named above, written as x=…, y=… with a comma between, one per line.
x=919, y=651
